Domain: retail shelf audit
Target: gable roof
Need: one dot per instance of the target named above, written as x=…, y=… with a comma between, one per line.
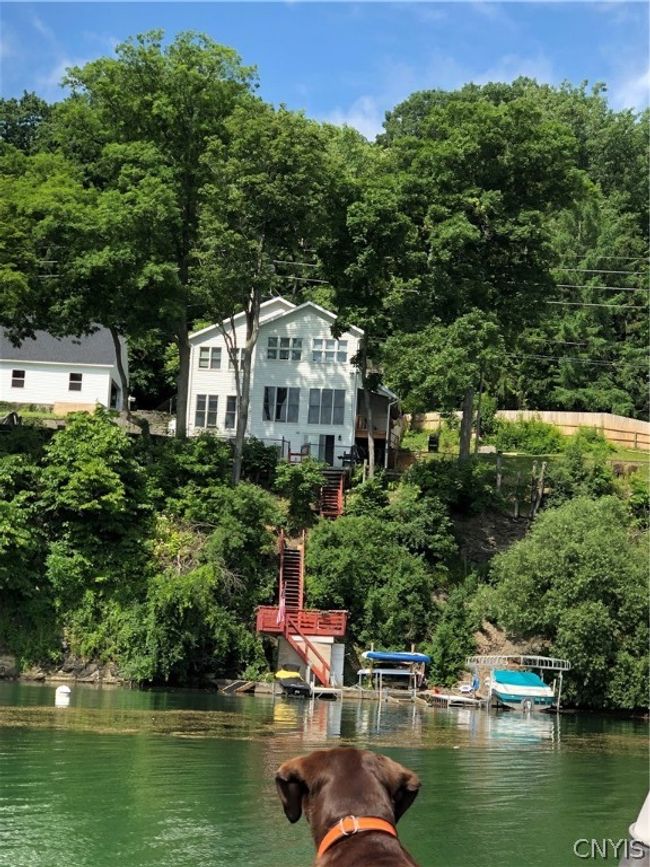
x=289, y=309
x=264, y=306
x=96, y=348
x=321, y=311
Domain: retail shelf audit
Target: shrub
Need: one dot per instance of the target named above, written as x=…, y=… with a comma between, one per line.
x=579, y=580
x=466, y=487
x=582, y=470
x=355, y=563
x=259, y=463
x=530, y=436
x=453, y=639
x=368, y=498
x=299, y=483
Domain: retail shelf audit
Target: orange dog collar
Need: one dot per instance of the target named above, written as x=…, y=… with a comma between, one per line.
x=350, y=825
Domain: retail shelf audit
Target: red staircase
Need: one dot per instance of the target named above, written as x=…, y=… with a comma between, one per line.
x=292, y=573
x=294, y=622
x=331, y=493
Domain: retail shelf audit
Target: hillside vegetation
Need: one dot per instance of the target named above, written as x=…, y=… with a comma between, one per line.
x=143, y=553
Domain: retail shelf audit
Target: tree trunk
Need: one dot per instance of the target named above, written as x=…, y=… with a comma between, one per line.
x=124, y=382
x=367, y=400
x=252, y=332
x=466, y=424
x=182, y=381
x=478, y=416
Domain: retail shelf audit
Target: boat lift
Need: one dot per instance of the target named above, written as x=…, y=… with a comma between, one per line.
x=541, y=663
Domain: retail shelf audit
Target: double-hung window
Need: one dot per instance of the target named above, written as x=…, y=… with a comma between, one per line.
x=210, y=357
x=239, y=354
x=327, y=350
x=281, y=404
x=231, y=412
x=74, y=382
x=206, y=410
x=18, y=379
x=284, y=348
x=326, y=406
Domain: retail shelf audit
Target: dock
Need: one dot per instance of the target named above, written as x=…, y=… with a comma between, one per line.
x=450, y=699
x=318, y=691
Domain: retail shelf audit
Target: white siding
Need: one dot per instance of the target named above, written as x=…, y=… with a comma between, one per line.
x=307, y=323
x=47, y=383
x=305, y=375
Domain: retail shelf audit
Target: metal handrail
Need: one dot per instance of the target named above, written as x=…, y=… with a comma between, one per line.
x=546, y=663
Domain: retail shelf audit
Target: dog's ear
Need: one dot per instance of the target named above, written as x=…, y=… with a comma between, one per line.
x=291, y=786
x=403, y=785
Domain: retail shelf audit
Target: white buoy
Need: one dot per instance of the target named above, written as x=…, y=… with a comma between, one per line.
x=62, y=696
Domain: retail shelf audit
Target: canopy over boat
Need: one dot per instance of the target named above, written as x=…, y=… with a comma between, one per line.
x=517, y=678
x=394, y=657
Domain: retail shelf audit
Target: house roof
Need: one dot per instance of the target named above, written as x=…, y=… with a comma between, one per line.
x=326, y=314
x=290, y=309
x=96, y=348
x=264, y=317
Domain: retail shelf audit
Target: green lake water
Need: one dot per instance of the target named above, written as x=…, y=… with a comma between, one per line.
x=124, y=778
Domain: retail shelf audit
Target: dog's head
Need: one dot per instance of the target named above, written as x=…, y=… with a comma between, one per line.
x=328, y=784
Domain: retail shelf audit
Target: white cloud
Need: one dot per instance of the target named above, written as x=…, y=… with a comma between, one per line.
x=364, y=115
x=48, y=85
x=399, y=80
x=631, y=90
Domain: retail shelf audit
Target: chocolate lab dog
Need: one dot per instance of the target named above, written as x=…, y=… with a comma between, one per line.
x=352, y=800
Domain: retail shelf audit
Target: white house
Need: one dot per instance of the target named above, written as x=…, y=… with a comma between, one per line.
x=67, y=373
x=305, y=395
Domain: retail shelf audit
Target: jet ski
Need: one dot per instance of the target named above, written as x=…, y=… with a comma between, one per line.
x=292, y=683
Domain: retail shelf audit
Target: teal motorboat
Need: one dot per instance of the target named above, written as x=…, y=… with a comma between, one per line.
x=522, y=690
x=518, y=681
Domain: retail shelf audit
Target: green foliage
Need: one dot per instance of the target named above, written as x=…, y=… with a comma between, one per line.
x=453, y=638
x=581, y=471
x=639, y=499
x=355, y=563
x=299, y=483
x=369, y=498
x=468, y=487
x=172, y=464
x=259, y=463
x=579, y=579
x=529, y=436
x=422, y=524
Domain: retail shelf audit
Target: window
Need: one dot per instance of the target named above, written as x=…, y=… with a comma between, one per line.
x=206, y=410
x=74, y=382
x=231, y=412
x=284, y=348
x=210, y=357
x=18, y=379
x=326, y=406
x=281, y=404
x=239, y=353
x=328, y=350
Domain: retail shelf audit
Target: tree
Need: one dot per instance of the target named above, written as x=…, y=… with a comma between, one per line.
x=479, y=174
x=21, y=121
x=444, y=366
x=364, y=253
x=261, y=203
x=579, y=581
x=138, y=126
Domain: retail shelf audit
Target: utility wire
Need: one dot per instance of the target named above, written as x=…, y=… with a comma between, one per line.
x=567, y=358
x=586, y=304
x=600, y=271
x=610, y=288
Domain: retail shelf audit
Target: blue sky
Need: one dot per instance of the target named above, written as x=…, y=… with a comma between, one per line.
x=350, y=62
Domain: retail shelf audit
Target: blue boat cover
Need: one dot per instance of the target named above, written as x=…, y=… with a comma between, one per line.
x=518, y=678
x=389, y=656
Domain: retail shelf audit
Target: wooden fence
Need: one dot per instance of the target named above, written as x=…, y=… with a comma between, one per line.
x=618, y=429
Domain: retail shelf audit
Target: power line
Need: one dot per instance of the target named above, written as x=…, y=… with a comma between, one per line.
x=585, y=304
x=610, y=288
x=567, y=358
x=599, y=271
x=621, y=258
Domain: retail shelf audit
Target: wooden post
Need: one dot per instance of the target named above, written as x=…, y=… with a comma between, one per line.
x=516, y=509
x=539, y=492
x=533, y=488
x=499, y=468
